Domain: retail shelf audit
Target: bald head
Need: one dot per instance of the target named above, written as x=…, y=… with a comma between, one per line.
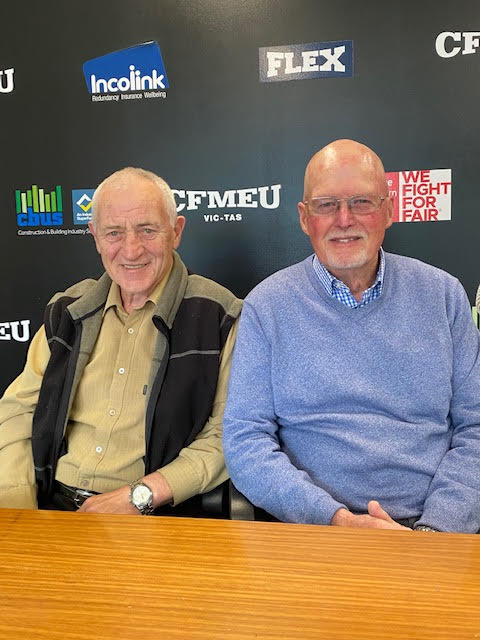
x=337, y=162
x=347, y=243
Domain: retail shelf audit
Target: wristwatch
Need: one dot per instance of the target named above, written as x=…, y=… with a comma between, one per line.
x=141, y=496
x=423, y=527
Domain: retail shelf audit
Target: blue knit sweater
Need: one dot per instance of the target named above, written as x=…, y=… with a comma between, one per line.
x=330, y=406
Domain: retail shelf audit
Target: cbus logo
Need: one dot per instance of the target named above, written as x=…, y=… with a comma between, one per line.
x=135, y=72
x=6, y=80
x=37, y=207
x=306, y=61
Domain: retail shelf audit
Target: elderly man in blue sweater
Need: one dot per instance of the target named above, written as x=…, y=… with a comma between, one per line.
x=355, y=388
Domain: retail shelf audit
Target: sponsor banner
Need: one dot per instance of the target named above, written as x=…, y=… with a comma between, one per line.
x=6, y=80
x=214, y=206
x=39, y=211
x=222, y=206
x=82, y=205
x=450, y=43
x=134, y=73
x=18, y=330
x=39, y=207
x=306, y=61
x=421, y=196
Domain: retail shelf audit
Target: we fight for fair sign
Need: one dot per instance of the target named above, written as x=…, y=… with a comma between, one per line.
x=421, y=196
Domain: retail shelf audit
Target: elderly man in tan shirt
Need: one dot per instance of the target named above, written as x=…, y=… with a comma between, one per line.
x=119, y=407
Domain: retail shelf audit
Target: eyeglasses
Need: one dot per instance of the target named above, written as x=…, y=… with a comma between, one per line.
x=358, y=205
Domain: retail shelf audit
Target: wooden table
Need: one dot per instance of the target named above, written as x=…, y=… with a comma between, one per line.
x=83, y=576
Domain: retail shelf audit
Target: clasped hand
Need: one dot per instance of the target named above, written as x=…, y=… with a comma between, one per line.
x=376, y=518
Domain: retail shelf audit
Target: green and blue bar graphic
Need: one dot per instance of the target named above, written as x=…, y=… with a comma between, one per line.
x=37, y=207
x=38, y=201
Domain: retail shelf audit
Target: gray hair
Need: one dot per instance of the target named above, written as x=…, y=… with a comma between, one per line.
x=133, y=172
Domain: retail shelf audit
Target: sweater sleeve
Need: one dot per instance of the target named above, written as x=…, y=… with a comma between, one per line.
x=453, y=499
x=17, y=477
x=255, y=460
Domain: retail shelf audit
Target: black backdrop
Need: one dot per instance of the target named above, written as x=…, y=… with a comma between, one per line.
x=220, y=128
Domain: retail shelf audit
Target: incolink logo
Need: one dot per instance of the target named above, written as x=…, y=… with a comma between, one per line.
x=306, y=61
x=6, y=80
x=129, y=74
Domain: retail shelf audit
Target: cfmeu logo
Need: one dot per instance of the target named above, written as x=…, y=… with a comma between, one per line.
x=450, y=43
x=19, y=330
x=305, y=61
x=6, y=80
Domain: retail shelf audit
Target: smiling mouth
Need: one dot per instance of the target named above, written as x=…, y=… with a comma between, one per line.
x=133, y=267
x=346, y=240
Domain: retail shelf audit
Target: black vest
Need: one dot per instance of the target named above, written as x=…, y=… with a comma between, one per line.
x=180, y=400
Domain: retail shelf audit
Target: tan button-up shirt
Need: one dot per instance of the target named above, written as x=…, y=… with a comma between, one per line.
x=106, y=428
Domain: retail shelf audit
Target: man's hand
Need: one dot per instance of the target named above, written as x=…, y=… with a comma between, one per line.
x=111, y=502
x=118, y=501
x=377, y=518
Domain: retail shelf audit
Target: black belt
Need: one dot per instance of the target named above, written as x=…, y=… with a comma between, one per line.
x=76, y=496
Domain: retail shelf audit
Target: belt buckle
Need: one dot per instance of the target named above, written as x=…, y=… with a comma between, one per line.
x=80, y=497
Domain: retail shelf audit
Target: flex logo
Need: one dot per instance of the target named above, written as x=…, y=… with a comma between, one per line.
x=306, y=61
x=450, y=43
x=6, y=80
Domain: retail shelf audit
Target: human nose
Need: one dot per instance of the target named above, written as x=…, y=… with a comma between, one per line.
x=344, y=216
x=132, y=246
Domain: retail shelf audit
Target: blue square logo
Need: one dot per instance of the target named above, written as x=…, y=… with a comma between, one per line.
x=82, y=205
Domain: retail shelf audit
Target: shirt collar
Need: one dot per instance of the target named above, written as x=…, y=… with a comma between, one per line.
x=114, y=299
x=330, y=282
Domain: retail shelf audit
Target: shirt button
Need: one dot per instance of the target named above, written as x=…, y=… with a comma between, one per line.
x=121, y=370
x=130, y=331
x=84, y=483
x=98, y=449
x=112, y=412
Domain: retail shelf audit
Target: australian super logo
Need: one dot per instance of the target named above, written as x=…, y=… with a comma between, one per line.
x=306, y=61
x=82, y=205
x=39, y=207
x=129, y=74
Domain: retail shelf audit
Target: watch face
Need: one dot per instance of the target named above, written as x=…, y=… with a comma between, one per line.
x=141, y=496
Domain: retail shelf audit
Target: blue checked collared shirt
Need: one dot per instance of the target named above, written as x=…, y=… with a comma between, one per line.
x=339, y=290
